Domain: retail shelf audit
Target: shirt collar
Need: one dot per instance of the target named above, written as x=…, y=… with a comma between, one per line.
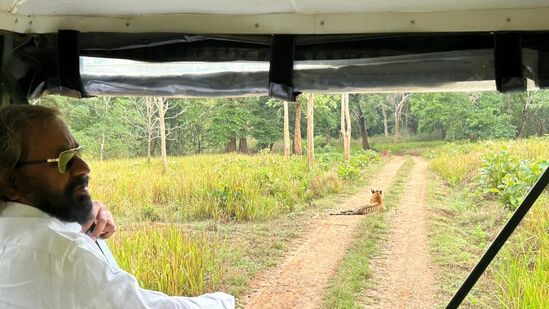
x=14, y=209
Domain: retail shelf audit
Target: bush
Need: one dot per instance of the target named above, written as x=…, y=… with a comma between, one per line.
x=508, y=177
x=348, y=171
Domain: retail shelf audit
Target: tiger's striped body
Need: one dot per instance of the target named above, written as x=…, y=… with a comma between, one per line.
x=376, y=203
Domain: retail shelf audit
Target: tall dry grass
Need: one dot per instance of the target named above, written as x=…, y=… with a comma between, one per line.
x=150, y=208
x=222, y=187
x=523, y=264
x=165, y=259
x=457, y=163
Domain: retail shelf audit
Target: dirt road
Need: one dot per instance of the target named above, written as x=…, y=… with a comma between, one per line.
x=300, y=281
x=403, y=270
x=302, y=278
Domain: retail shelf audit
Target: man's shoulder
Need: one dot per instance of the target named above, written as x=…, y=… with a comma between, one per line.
x=43, y=235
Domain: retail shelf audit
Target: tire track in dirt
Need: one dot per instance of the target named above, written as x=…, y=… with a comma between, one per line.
x=403, y=270
x=300, y=281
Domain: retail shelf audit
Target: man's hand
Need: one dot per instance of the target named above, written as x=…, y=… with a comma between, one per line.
x=103, y=222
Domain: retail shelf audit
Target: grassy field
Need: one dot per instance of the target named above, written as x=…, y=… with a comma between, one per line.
x=214, y=221
x=467, y=215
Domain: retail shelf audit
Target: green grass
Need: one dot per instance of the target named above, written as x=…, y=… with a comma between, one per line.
x=522, y=272
x=464, y=222
x=254, y=247
x=457, y=163
x=220, y=187
x=352, y=275
x=406, y=148
x=234, y=216
x=459, y=233
x=165, y=258
x=178, y=254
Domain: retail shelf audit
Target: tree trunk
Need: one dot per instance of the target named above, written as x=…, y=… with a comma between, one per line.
x=102, y=147
x=286, y=131
x=508, y=103
x=385, y=127
x=539, y=126
x=310, y=131
x=150, y=124
x=243, y=145
x=297, y=130
x=160, y=103
x=346, y=126
x=149, y=144
x=231, y=145
x=106, y=101
x=397, y=125
x=398, y=101
x=525, y=115
x=363, y=127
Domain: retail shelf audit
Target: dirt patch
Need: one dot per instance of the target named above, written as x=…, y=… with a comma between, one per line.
x=403, y=270
x=300, y=281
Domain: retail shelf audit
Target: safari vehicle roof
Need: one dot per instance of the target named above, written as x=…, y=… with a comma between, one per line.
x=281, y=48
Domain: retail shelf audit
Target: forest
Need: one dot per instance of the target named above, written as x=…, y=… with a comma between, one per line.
x=112, y=127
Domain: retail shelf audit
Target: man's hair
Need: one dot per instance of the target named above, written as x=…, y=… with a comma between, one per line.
x=14, y=122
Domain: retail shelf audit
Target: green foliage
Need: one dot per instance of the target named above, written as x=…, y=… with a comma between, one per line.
x=100, y=125
x=327, y=114
x=231, y=118
x=195, y=123
x=460, y=116
x=267, y=124
x=327, y=156
x=464, y=225
x=508, y=177
x=348, y=171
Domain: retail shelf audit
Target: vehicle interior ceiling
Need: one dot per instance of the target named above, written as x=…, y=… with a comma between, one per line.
x=281, y=49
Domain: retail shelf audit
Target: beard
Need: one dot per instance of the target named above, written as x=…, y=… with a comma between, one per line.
x=67, y=206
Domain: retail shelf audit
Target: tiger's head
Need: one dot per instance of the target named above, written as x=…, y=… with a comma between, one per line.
x=377, y=196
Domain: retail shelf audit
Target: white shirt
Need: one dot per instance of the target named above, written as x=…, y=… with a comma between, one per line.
x=47, y=263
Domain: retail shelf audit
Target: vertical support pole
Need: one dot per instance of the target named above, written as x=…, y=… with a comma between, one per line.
x=6, y=42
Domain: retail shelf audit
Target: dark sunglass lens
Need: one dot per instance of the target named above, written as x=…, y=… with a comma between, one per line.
x=65, y=161
x=69, y=164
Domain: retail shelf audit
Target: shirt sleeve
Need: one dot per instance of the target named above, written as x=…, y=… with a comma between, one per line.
x=96, y=284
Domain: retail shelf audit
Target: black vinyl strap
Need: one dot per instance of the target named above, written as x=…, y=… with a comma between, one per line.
x=543, y=68
x=68, y=52
x=281, y=71
x=500, y=240
x=508, y=62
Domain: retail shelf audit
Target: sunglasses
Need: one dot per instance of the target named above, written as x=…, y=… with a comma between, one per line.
x=64, y=161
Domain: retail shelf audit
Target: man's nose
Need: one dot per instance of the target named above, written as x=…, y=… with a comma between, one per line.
x=79, y=167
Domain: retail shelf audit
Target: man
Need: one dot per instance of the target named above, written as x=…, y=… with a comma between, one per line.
x=45, y=259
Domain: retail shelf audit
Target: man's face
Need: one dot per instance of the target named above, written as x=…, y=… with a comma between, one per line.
x=64, y=196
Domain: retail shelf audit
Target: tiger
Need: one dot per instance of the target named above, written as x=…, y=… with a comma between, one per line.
x=376, y=202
